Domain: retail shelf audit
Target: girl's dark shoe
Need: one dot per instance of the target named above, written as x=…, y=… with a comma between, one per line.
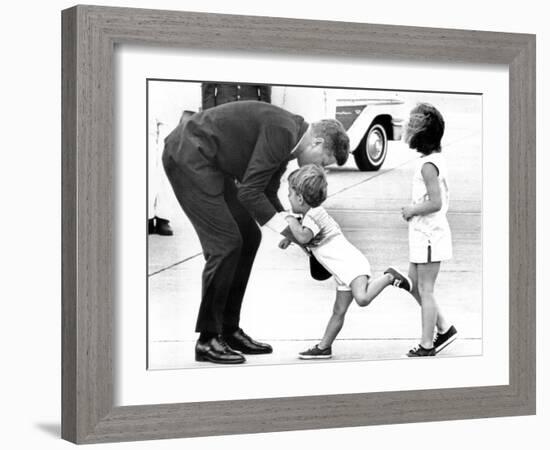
x=443, y=339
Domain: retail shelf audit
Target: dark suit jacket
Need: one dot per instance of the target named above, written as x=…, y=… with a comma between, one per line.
x=249, y=141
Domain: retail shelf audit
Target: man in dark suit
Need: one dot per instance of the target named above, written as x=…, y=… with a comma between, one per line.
x=225, y=166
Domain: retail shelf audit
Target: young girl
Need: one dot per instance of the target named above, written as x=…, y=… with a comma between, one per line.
x=322, y=236
x=429, y=232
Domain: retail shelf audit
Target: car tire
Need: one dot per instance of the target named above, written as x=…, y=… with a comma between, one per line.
x=372, y=150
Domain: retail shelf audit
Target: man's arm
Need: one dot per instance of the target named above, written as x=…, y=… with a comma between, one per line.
x=270, y=153
x=272, y=189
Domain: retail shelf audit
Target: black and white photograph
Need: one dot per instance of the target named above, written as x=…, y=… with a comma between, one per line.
x=311, y=224
x=275, y=225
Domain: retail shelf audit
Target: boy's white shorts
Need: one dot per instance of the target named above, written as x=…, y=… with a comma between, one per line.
x=343, y=260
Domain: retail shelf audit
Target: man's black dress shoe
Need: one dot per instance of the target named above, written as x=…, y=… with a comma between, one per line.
x=151, y=226
x=159, y=226
x=163, y=227
x=240, y=341
x=217, y=351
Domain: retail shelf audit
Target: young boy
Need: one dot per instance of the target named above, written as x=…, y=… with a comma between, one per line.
x=319, y=233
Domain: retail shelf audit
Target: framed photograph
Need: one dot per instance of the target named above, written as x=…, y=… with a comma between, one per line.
x=364, y=197
x=161, y=220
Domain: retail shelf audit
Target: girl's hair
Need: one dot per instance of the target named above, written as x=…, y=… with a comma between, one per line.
x=425, y=129
x=310, y=182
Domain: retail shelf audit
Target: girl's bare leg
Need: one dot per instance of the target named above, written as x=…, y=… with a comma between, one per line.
x=427, y=274
x=441, y=322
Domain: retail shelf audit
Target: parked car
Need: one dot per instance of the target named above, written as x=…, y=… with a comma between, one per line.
x=370, y=124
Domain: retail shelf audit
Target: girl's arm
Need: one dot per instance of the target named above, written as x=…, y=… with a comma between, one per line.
x=301, y=234
x=434, y=203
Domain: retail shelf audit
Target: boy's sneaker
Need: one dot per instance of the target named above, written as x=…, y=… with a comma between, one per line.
x=316, y=353
x=443, y=339
x=421, y=351
x=400, y=280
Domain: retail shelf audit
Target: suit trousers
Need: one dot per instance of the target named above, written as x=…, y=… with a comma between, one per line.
x=229, y=237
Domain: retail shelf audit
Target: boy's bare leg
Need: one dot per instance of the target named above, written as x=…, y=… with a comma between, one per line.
x=365, y=290
x=441, y=322
x=336, y=321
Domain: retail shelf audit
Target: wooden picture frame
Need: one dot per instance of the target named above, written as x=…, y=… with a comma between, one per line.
x=89, y=37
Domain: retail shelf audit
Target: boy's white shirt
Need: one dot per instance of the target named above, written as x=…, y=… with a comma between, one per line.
x=310, y=224
x=322, y=225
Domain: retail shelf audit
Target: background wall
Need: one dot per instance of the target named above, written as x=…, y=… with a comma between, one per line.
x=30, y=317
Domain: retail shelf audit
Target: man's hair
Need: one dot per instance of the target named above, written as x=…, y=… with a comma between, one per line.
x=425, y=129
x=310, y=182
x=335, y=136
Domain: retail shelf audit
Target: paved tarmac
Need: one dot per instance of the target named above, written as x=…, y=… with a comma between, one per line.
x=285, y=307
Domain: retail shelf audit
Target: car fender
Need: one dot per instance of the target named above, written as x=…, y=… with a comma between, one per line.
x=368, y=111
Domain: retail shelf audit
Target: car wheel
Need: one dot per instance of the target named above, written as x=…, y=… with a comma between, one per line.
x=372, y=150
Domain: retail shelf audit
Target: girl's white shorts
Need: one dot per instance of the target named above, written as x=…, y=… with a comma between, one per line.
x=425, y=248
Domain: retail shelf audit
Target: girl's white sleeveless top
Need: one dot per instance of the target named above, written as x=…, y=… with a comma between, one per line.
x=435, y=222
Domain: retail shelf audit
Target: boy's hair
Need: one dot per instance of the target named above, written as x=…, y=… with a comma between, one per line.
x=425, y=129
x=335, y=136
x=310, y=182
